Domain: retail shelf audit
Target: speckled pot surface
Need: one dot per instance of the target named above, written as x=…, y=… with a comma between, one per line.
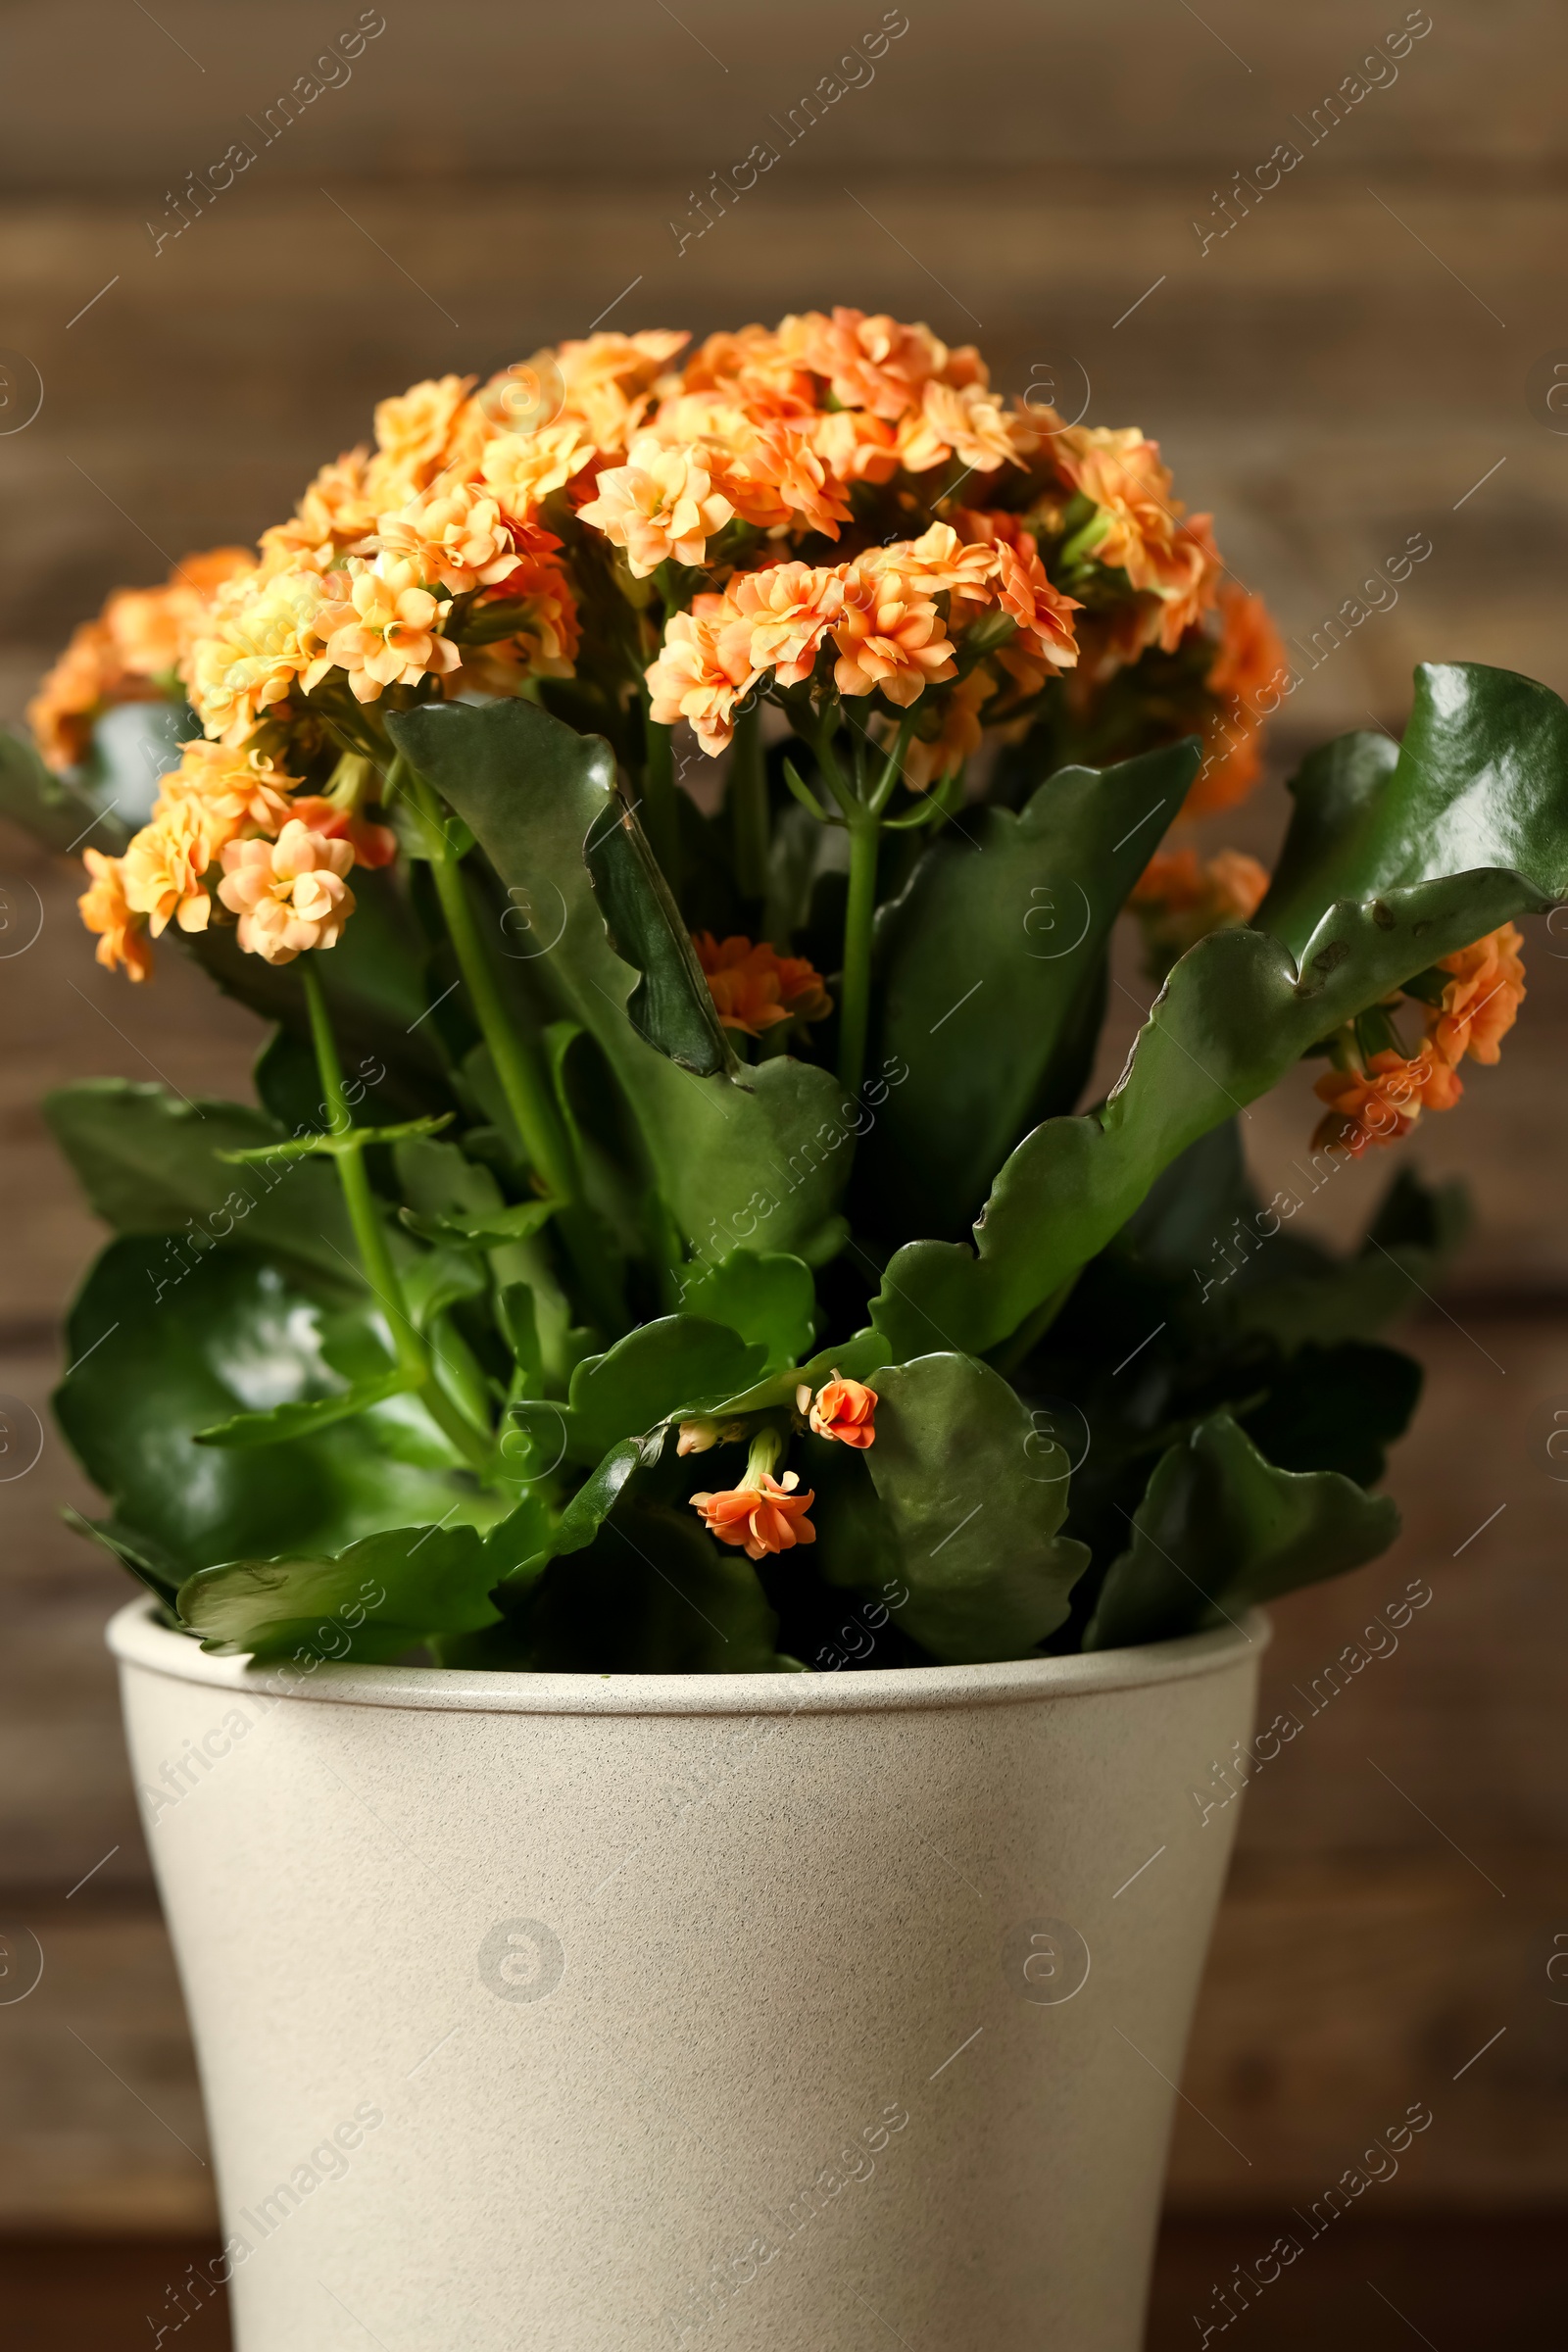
x=747, y=2013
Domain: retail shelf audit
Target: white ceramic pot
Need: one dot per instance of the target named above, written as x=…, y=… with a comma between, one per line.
x=746, y=2012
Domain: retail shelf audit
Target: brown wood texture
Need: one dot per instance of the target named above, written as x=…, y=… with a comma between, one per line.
x=1359, y=359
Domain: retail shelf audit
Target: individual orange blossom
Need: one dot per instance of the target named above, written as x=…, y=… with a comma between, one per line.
x=869, y=362
x=162, y=866
x=762, y=1517
x=455, y=536
x=289, y=894
x=1481, y=1000
x=264, y=638
x=697, y=678
x=1144, y=531
x=754, y=988
x=122, y=932
x=661, y=505
x=608, y=382
x=523, y=470
x=1250, y=658
x=777, y=619
x=967, y=423
x=234, y=791
x=842, y=1410
x=411, y=431
x=1380, y=1105
x=337, y=511
x=1179, y=901
x=384, y=628
x=889, y=637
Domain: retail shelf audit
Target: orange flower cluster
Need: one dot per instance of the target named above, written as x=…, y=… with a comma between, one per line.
x=755, y=988
x=1479, y=1005
x=773, y=510
x=130, y=653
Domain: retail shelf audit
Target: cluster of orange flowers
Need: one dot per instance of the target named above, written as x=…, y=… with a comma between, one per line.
x=476, y=542
x=1179, y=901
x=1382, y=1101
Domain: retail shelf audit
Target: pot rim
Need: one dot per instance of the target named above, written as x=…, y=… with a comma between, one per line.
x=136, y=1640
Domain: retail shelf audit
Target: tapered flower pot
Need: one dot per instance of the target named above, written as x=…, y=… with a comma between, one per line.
x=753, y=2013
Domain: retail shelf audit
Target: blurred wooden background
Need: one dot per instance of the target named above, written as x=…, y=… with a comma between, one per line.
x=1361, y=357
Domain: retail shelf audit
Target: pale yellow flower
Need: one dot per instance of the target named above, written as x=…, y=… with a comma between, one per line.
x=384, y=629
x=659, y=506
x=265, y=638
x=162, y=870
x=289, y=894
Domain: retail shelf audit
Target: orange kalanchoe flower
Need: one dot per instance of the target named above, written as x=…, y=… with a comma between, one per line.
x=458, y=537
x=289, y=894
x=755, y=988
x=763, y=1516
x=1381, y=1104
x=411, y=431
x=1480, y=1002
x=162, y=870
x=698, y=678
x=122, y=931
x=1250, y=660
x=889, y=636
x=843, y=1409
x=777, y=619
x=128, y=654
x=1144, y=531
x=661, y=505
x=383, y=629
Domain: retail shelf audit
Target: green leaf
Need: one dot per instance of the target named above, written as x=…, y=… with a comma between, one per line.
x=370, y=1601
x=1481, y=781
x=766, y=1296
x=302, y=1419
x=671, y=1006
x=776, y=1148
x=654, y=1594
x=1413, y=1236
x=135, y=1555
x=54, y=809
x=489, y=1228
x=973, y=1499
x=579, y=1523
x=680, y=1363
x=150, y=1161
x=984, y=961
x=1221, y=1530
x=859, y=1357
x=159, y=1352
x=1337, y=1408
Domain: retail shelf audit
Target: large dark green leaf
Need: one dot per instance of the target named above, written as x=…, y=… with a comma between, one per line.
x=678, y=1363
x=164, y=1343
x=670, y=1006
x=973, y=1495
x=1483, y=777
x=775, y=1148
x=372, y=1601
x=1221, y=1528
x=147, y=1160
x=984, y=961
x=1481, y=781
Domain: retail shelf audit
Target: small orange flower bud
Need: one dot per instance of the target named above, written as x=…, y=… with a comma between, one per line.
x=844, y=1410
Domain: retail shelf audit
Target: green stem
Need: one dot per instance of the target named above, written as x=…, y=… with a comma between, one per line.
x=855, y=1005
x=524, y=1083
x=660, y=810
x=375, y=1256
x=748, y=799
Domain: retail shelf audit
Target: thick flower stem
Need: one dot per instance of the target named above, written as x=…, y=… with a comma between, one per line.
x=375, y=1256
x=518, y=1069
x=748, y=797
x=855, y=1002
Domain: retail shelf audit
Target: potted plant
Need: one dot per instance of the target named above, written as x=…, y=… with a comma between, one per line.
x=700, y=1517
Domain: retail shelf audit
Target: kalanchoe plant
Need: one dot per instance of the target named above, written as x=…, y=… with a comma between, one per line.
x=674, y=819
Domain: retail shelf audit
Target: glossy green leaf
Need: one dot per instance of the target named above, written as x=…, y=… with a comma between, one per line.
x=151, y=1161
x=984, y=961
x=579, y=1523
x=370, y=1601
x=776, y=1145
x=670, y=1006
x=972, y=1496
x=486, y=1228
x=766, y=1296
x=159, y=1352
x=680, y=1363
x=1220, y=1530
x=1332, y=790
x=859, y=1357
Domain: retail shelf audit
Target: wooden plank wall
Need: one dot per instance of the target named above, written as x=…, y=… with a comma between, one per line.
x=1359, y=359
